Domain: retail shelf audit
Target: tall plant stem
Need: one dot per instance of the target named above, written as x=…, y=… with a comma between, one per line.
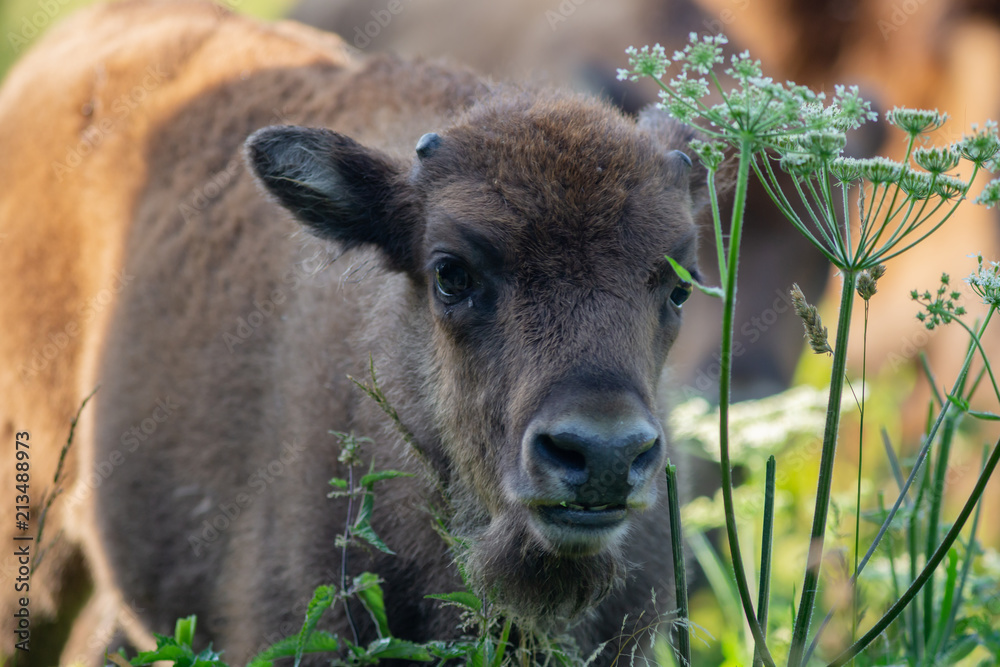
x=680, y=574
x=932, y=562
x=855, y=589
x=725, y=381
x=824, y=486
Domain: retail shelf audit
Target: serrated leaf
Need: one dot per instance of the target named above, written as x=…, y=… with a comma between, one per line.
x=368, y=480
x=460, y=598
x=367, y=533
x=166, y=649
x=322, y=598
x=390, y=648
x=367, y=588
x=450, y=650
x=319, y=642
x=365, y=511
x=686, y=276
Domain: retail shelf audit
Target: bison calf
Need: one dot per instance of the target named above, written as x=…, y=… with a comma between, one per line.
x=499, y=255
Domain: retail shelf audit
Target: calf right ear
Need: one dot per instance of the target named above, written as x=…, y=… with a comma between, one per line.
x=338, y=188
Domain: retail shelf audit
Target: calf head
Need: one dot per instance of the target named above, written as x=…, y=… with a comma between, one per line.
x=533, y=234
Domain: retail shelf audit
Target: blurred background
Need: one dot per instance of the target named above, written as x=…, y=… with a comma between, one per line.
x=942, y=54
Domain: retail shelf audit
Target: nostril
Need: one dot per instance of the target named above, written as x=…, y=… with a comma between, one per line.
x=648, y=452
x=557, y=452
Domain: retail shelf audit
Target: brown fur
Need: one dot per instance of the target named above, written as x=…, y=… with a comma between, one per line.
x=222, y=347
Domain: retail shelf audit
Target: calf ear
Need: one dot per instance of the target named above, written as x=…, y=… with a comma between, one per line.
x=338, y=188
x=672, y=135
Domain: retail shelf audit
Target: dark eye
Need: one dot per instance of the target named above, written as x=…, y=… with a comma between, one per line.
x=680, y=293
x=451, y=280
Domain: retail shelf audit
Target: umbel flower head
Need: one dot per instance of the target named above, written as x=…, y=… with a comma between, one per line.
x=937, y=160
x=757, y=108
x=985, y=281
x=981, y=145
x=916, y=121
x=990, y=195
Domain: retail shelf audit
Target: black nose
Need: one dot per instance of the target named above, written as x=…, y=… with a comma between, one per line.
x=599, y=458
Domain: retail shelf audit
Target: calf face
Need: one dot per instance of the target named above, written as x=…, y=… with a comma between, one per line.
x=534, y=231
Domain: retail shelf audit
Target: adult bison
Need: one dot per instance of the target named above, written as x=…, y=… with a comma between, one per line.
x=506, y=275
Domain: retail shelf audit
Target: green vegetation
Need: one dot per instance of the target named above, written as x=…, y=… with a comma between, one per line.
x=771, y=126
x=925, y=590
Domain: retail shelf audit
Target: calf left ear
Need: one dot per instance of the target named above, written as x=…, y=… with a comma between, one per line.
x=341, y=190
x=672, y=135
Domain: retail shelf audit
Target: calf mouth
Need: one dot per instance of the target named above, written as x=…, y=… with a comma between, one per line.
x=576, y=516
x=576, y=529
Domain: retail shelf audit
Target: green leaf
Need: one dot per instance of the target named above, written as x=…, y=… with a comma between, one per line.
x=451, y=650
x=319, y=642
x=460, y=598
x=366, y=587
x=987, y=416
x=184, y=630
x=959, y=403
x=959, y=649
x=686, y=276
x=338, y=483
x=323, y=597
x=368, y=480
x=166, y=649
x=367, y=533
x=363, y=528
x=390, y=648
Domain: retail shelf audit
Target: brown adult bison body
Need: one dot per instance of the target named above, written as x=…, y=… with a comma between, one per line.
x=507, y=279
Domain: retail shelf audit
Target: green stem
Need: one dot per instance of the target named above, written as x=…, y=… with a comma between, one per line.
x=680, y=573
x=931, y=565
x=713, y=199
x=824, y=486
x=861, y=450
x=934, y=516
x=725, y=380
x=766, y=546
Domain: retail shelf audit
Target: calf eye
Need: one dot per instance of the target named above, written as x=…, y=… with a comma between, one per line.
x=680, y=294
x=452, y=281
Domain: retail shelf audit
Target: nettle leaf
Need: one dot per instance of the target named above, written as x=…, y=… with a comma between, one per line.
x=318, y=642
x=463, y=599
x=369, y=480
x=323, y=597
x=363, y=528
x=167, y=648
x=686, y=276
x=390, y=648
x=366, y=587
x=451, y=650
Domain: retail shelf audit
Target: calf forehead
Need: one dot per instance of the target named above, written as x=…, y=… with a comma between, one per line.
x=560, y=184
x=631, y=238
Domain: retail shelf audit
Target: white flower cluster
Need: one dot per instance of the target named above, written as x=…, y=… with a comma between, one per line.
x=985, y=281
